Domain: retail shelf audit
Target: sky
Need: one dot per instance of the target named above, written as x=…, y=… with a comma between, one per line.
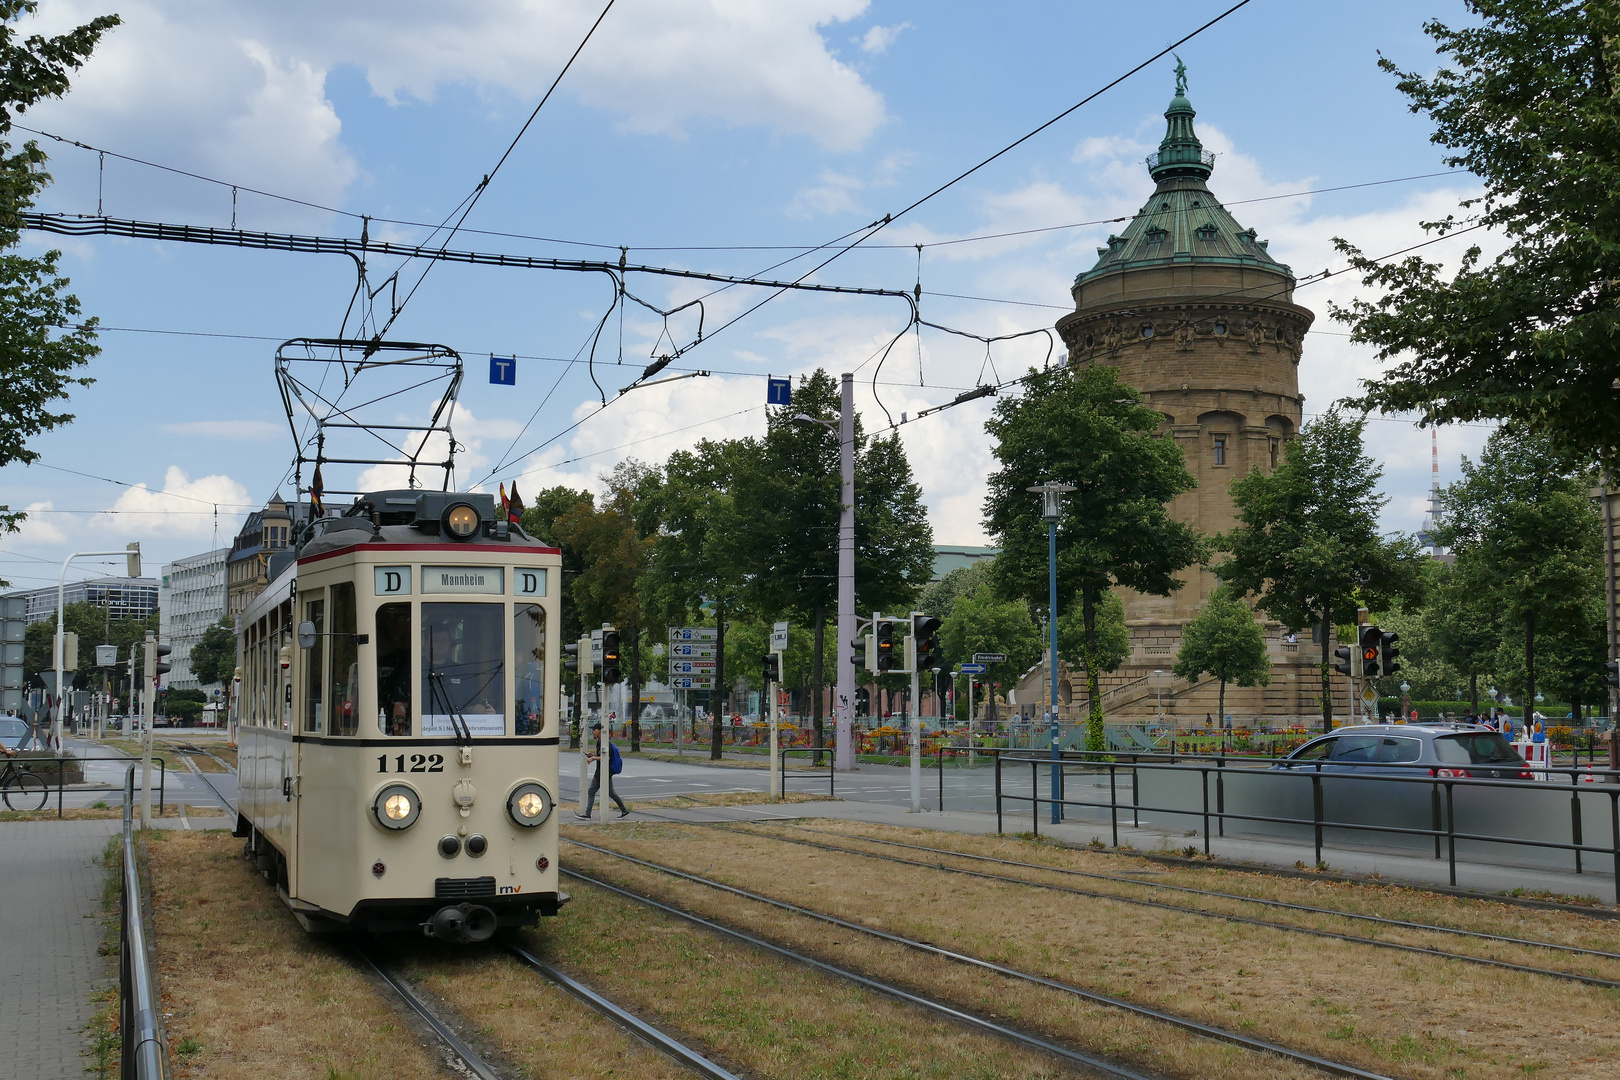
x=723, y=136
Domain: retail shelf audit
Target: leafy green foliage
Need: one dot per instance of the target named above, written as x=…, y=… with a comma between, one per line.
x=38, y=359
x=1113, y=638
x=1223, y=640
x=1307, y=542
x=982, y=622
x=1526, y=100
x=213, y=657
x=540, y=521
x=1085, y=427
x=1527, y=536
x=91, y=623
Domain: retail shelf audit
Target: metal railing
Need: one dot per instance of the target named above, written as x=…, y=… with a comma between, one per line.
x=1443, y=824
x=825, y=752
x=144, y=1054
x=62, y=761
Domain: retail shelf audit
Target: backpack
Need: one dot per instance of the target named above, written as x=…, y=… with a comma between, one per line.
x=615, y=762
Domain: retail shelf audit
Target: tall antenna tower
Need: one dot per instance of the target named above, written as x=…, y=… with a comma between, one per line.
x=1432, y=520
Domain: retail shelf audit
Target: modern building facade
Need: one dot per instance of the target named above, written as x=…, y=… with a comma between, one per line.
x=1200, y=319
x=124, y=598
x=191, y=599
x=247, y=565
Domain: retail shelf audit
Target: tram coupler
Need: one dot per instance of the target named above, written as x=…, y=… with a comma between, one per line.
x=461, y=923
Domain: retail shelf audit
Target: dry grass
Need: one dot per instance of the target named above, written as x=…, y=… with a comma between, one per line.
x=729, y=798
x=1392, y=902
x=1408, y=1016
x=251, y=991
x=756, y=1014
x=70, y=813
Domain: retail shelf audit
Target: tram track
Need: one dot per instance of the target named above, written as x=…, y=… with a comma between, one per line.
x=1028, y=1039
x=470, y=1059
x=1356, y=939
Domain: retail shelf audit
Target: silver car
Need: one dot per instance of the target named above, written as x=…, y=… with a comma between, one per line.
x=1439, y=750
x=17, y=734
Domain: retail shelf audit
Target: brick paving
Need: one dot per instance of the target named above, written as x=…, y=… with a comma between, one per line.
x=50, y=896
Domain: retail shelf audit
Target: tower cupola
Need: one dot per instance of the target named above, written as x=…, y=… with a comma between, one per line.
x=1180, y=153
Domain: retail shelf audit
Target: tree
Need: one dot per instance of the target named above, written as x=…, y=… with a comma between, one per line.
x=1113, y=637
x=692, y=574
x=614, y=554
x=213, y=657
x=1307, y=542
x=540, y=521
x=1526, y=101
x=1466, y=626
x=38, y=357
x=94, y=625
x=938, y=598
x=1527, y=535
x=1087, y=428
x=1224, y=640
x=983, y=622
x=786, y=510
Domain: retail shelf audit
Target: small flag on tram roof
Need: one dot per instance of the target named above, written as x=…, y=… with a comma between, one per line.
x=514, y=512
x=505, y=505
x=317, y=488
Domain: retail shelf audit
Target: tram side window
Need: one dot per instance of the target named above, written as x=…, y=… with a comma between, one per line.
x=345, y=696
x=529, y=659
x=394, y=669
x=314, y=676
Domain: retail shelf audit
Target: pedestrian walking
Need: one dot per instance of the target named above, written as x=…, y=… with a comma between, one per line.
x=615, y=767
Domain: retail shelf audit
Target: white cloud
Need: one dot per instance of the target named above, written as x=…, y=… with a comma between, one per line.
x=38, y=530
x=181, y=508
x=836, y=192
x=233, y=430
x=877, y=39
x=237, y=90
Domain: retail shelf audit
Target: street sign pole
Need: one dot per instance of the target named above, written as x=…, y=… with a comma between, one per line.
x=776, y=746
x=916, y=747
x=844, y=703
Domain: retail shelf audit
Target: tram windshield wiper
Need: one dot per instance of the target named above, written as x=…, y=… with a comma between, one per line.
x=441, y=696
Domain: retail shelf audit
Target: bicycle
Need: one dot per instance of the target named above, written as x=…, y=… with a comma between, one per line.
x=22, y=790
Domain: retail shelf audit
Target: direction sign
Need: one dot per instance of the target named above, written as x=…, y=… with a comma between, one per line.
x=973, y=669
x=692, y=683
x=989, y=658
x=691, y=667
x=701, y=651
x=691, y=633
x=779, y=637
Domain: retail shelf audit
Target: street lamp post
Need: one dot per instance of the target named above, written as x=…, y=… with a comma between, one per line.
x=1051, y=494
x=1158, y=696
x=1406, y=700
x=132, y=553
x=844, y=696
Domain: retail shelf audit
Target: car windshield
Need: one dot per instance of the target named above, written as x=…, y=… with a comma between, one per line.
x=11, y=728
x=1475, y=748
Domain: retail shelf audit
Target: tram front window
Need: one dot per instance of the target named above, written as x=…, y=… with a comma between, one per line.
x=463, y=668
x=394, y=669
x=529, y=657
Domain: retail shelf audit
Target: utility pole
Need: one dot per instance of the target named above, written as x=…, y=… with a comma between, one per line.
x=149, y=677
x=845, y=702
x=915, y=719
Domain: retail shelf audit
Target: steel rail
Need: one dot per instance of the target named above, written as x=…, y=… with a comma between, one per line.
x=458, y=1046
x=1382, y=920
x=1196, y=1027
x=1354, y=939
x=627, y=1020
x=145, y=1054
x=877, y=986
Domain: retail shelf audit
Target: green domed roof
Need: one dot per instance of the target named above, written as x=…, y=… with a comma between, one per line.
x=1183, y=222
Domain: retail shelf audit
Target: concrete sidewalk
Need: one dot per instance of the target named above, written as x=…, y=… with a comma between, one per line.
x=1392, y=867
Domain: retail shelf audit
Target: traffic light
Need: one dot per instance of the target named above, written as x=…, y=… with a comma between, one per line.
x=865, y=656
x=1372, y=640
x=773, y=669
x=154, y=666
x=930, y=653
x=1387, y=652
x=863, y=701
x=571, y=656
x=1612, y=673
x=883, y=639
x=610, y=656
x=1346, y=656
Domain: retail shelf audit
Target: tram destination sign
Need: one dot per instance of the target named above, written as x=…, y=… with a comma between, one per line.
x=691, y=633
x=989, y=658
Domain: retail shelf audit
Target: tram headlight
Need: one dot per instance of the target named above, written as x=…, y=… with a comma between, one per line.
x=529, y=804
x=461, y=521
x=397, y=806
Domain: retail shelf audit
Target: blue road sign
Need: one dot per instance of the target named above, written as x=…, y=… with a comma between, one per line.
x=973, y=669
x=778, y=391
x=503, y=370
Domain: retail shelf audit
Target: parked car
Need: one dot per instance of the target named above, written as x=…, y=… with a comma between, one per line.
x=1437, y=750
x=17, y=734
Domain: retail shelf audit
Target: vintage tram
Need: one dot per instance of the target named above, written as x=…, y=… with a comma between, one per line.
x=398, y=719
